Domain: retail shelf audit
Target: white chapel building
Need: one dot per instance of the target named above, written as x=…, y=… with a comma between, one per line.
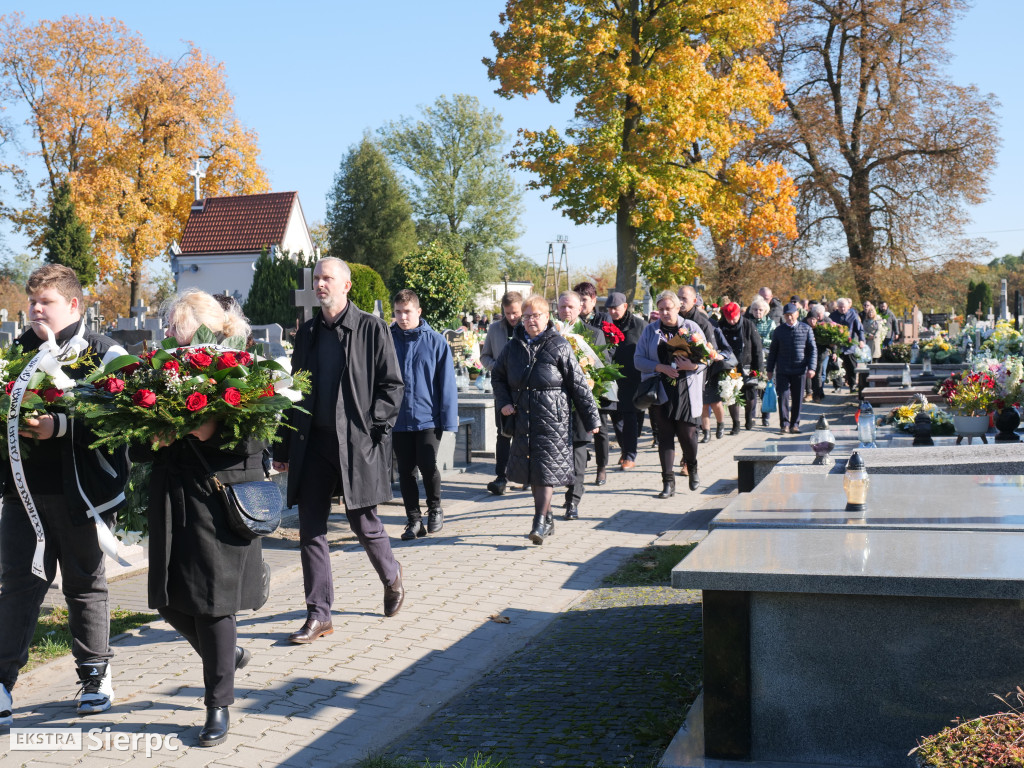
x=225, y=235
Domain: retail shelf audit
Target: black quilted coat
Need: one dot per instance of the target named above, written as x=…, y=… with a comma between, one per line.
x=542, y=447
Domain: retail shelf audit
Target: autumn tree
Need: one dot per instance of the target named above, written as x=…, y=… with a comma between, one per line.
x=121, y=127
x=369, y=216
x=463, y=194
x=664, y=89
x=885, y=149
x=66, y=239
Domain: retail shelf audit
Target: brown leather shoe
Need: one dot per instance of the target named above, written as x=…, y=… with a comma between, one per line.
x=627, y=464
x=394, y=595
x=311, y=630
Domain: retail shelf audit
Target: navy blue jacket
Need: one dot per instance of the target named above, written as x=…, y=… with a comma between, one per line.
x=792, y=350
x=431, y=399
x=852, y=321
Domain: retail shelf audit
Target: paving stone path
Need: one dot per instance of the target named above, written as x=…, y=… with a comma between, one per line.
x=373, y=682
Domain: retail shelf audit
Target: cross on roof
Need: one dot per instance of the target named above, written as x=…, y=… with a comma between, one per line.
x=197, y=173
x=305, y=297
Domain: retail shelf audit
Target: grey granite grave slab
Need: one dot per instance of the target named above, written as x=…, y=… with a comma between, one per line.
x=945, y=458
x=963, y=503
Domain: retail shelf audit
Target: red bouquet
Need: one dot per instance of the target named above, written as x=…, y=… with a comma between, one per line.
x=612, y=334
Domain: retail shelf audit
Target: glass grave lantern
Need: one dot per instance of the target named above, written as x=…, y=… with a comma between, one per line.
x=822, y=443
x=866, y=426
x=855, y=484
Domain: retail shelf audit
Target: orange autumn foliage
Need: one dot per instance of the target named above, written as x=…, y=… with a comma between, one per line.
x=123, y=127
x=665, y=90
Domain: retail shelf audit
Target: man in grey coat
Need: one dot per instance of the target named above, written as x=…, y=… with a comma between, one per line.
x=344, y=443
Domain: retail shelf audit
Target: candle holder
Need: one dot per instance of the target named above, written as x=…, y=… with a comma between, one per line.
x=822, y=443
x=855, y=484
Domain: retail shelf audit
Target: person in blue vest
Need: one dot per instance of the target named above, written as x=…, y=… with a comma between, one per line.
x=792, y=357
x=429, y=408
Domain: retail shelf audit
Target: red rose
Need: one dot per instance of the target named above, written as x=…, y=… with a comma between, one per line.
x=9, y=386
x=50, y=394
x=144, y=397
x=131, y=368
x=199, y=359
x=113, y=385
x=244, y=358
x=227, y=360
x=232, y=396
x=172, y=365
x=196, y=401
x=268, y=392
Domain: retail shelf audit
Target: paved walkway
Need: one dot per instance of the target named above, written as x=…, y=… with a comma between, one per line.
x=359, y=690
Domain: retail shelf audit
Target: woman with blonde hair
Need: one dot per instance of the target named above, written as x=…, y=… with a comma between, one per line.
x=538, y=382
x=201, y=573
x=757, y=312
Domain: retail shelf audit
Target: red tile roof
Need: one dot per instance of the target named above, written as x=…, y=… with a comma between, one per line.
x=245, y=223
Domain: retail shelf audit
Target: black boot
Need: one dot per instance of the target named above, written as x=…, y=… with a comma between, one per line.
x=719, y=429
x=415, y=528
x=694, y=480
x=735, y=428
x=668, y=489
x=435, y=520
x=543, y=526
x=705, y=436
x=216, y=729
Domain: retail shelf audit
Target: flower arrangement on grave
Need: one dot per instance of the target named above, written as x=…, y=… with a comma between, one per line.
x=969, y=393
x=612, y=334
x=730, y=388
x=939, y=348
x=831, y=335
x=902, y=418
x=1009, y=378
x=1003, y=341
x=168, y=392
x=600, y=376
x=897, y=352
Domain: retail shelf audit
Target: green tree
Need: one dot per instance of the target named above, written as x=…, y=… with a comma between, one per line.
x=979, y=294
x=441, y=281
x=270, y=298
x=367, y=288
x=66, y=239
x=369, y=216
x=463, y=194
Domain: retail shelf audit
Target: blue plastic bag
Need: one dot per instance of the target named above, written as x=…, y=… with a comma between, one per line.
x=769, y=400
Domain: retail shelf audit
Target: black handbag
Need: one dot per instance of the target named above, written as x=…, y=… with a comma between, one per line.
x=725, y=363
x=253, y=508
x=646, y=393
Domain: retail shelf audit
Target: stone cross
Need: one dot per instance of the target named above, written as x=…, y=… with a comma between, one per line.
x=140, y=310
x=22, y=317
x=378, y=309
x=305, y=297
x=3, y=315
x=197, y=174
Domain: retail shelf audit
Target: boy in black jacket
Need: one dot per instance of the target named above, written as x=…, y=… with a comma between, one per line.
x=64, y=480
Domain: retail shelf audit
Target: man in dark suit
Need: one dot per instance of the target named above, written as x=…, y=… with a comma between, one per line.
x=344, y=443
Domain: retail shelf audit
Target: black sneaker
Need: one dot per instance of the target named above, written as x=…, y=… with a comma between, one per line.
x=435, y=520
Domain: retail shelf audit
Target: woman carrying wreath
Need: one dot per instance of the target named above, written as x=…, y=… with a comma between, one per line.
x=201, y=573
x=680, y=390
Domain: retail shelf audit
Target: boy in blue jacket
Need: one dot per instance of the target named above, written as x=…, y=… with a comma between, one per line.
x=429, y=408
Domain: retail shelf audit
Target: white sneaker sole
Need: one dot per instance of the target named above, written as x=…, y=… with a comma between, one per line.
x=93, y=706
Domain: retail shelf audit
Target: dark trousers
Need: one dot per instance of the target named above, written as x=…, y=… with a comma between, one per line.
x=850, y=369
x=749, y=405
x=627, y=432
x=601, y=449
x=321, y=480
x=790, y=388
x=580, y=457
x=83, y=581
x=214, y=638
x=502, y=449
x=668, y=431
x=418, y=450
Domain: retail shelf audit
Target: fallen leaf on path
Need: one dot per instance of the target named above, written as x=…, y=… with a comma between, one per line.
x=499, y=619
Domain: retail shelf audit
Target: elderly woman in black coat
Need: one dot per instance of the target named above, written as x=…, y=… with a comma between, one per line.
x=201, y=573
x=538, y=379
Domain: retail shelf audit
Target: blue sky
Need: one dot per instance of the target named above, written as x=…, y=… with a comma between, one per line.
x=311, y=77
